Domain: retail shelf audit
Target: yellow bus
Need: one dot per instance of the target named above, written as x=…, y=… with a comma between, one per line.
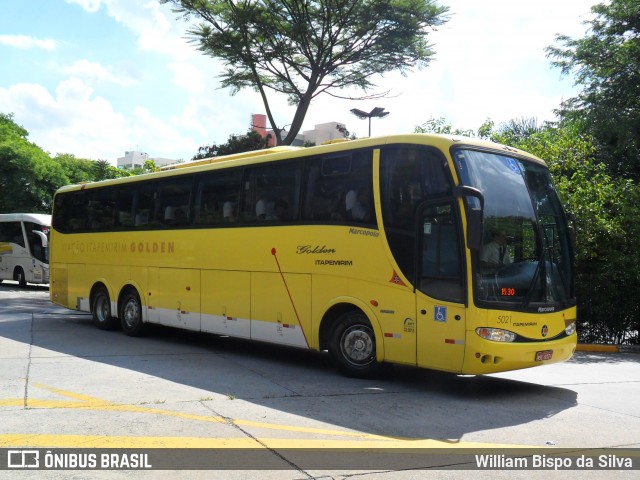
x=443, y=252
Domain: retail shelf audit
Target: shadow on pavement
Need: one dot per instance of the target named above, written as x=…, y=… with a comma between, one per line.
x=295, y=381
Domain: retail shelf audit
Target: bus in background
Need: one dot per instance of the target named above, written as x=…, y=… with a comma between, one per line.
x=441, y=252
x=24, y=247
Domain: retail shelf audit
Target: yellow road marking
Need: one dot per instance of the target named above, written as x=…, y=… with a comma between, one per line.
x=91, y=403
x=105, y=441
x=81, y=401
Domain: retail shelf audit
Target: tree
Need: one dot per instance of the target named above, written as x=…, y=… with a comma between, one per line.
x=607, y=221
x=442, y=127
x=346, y=134
x=76, y=170
x=606, y=63
x=236, y=144
x=28, y=177
x=305, y=48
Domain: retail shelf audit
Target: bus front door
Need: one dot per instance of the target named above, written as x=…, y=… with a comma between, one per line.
x=440, y=297
x=441, y=334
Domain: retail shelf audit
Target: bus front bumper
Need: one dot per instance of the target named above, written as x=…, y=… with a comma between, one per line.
x=485, y=356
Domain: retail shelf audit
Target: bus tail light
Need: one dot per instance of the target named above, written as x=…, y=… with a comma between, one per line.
x=496, y=334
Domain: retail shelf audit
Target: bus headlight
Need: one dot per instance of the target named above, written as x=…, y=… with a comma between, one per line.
x=496, y=334
x=570, y=329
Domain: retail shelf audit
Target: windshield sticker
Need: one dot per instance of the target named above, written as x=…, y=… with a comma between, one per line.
x=513, y=165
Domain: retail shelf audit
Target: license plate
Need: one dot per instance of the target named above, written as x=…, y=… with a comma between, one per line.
x=544, y=355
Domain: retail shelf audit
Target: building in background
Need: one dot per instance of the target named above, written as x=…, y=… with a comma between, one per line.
x=323, y=132
x=135, y=159
x=132, y=159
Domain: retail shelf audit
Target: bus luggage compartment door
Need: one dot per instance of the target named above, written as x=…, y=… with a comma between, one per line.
x=174, y=297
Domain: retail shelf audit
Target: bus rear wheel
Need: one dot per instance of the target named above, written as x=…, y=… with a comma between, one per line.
x=101, y=310
x=353, y=346
x=131, y=314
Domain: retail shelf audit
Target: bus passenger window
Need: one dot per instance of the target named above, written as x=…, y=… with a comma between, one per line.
x=70, y=211
x=230, y=212
x=272, y=193
x=144, y=201
x=217, y=198
x=173, y=201
x=339, y=189
x=12, y=232
x=101, y=208
x=358, y=205
x=124, y=207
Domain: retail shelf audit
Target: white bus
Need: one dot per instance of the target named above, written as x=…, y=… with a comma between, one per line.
x=24, y=247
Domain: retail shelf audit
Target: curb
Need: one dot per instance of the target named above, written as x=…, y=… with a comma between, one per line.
x=597, y=347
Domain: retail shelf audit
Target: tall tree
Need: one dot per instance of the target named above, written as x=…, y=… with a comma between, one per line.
x=28, y=176
x=303, y=48
x=606, y=63
x=607, y=222
x=76, y=170
x=236, y=144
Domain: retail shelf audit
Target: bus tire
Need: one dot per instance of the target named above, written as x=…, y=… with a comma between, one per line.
x=352, y=346
x=18, y=276
x=101, y=310
x=131, y=314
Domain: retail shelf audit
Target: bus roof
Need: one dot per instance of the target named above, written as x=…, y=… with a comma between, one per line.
x=39, y=218
x=234, y=156
x=445, y=142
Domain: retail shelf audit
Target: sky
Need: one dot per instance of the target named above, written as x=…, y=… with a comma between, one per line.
x=96, y=78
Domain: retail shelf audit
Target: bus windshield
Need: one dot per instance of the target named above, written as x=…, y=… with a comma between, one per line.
x=38, y=236
x=526, y=256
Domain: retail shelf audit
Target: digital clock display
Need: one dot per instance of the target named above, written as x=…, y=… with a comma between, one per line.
x=508, y=292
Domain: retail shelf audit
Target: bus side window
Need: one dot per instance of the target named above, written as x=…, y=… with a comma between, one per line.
x=173, y=202
x=217, y=195
x=332, y=187
x=12, y=232
x=70, y=212
x=102, y=209
x=124, y=207
x=272, y=193
x=143, y=205
x=324, y=201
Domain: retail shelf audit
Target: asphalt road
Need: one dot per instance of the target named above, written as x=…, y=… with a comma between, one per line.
x=65, y=384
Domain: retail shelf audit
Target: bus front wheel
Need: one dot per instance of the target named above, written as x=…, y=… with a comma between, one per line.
x=19, y=277
x=101, y=310
x=353, y=346
x=131, y=314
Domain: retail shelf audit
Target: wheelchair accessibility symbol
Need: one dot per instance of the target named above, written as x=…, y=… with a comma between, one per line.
x=440, y=314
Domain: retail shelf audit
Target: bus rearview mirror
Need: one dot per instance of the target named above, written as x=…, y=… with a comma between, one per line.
x=43, y=238
x=475, y=215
